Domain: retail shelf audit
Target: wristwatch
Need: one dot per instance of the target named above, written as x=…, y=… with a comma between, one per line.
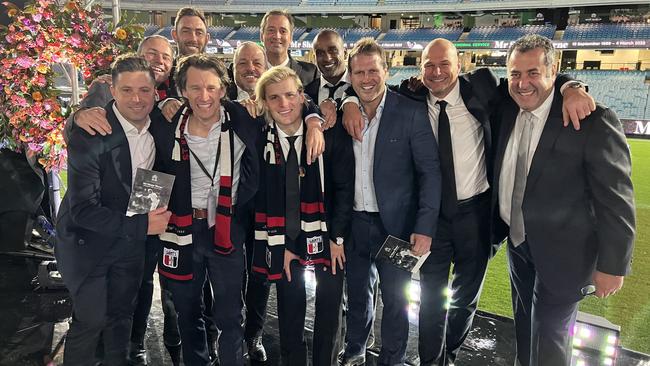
x=339, y=241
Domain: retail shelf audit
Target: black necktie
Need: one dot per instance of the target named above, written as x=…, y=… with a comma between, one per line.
x=449, y=198
x=292, y=197
x=333, y=88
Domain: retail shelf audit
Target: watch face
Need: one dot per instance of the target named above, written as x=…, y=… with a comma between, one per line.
x=339, y=241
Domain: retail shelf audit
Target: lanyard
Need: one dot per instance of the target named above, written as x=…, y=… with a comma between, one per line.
x=216, y=162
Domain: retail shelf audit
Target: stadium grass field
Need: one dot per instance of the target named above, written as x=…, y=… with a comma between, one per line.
x=630, y=308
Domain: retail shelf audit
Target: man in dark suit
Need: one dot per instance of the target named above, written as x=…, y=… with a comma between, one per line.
x=276, y=32
x=564, y=200
x=100, y=251
x=459, y=109
x=397, y=192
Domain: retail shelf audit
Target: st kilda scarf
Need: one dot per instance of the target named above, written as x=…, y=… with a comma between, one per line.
x=176, y=259
x=312, y=244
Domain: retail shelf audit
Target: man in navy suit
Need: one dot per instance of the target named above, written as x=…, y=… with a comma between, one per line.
x=397, y=192
x=100, y=251
x=563, y=199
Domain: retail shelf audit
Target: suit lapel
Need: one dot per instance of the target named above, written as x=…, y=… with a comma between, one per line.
x=119, y=147
x=508, y=118
x=550, y=133
x=385, y=127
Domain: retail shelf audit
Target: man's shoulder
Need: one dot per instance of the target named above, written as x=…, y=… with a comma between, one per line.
x=403, y=101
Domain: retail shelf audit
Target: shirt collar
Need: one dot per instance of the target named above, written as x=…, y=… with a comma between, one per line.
x=128, y=127
x=283, y=135
x=452, y=99
x=380, y=107
x=242, y=94
x=541, y=112
x=345, y=78
x=285, y=63
x=214, y=126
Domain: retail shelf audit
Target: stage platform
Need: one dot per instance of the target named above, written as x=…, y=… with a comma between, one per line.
x=34, y=320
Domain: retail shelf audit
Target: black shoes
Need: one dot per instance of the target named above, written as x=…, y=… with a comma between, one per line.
x=137, y=355
x=347, y=360
x=256, y=351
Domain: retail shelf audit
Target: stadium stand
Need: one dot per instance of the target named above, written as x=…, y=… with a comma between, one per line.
x=349, y=35
x=247, y=34
x=494, y=33
x=166, y=32
x=279, y=3
x=607, y=31
x=422, y=34
x=150, y=29
x=219, y=32
x=356, y=2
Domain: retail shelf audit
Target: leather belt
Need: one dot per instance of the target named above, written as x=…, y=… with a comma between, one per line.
x=199, y=213
x=475, y=199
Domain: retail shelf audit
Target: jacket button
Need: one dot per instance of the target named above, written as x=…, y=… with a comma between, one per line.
x=81, y=242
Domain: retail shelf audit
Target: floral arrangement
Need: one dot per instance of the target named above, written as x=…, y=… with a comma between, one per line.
x=44, y=33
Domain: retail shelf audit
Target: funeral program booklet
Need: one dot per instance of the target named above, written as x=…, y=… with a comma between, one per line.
x=151, y=190
x=398, y=252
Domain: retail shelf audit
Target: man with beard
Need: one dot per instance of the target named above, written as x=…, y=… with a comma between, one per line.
x=276, y=32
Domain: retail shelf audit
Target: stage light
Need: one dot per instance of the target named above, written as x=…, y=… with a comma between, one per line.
x=595, y=341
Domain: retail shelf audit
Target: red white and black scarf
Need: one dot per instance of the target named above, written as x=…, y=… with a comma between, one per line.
x=312, y=245
x=176, y=259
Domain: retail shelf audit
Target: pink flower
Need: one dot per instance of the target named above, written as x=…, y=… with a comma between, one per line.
x=25, y=62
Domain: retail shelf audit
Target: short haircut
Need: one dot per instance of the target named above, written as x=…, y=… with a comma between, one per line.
x=367, y=46
x=189, y=11
x=201, y=61
x=157, y=36
x=131, y=62
x=276, y=74
x=326, y=32
x=530, y=42
x=247, y=44
x=282, y=12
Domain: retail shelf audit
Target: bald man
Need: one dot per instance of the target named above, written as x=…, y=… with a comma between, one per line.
x=248, y=65
x=459, y=107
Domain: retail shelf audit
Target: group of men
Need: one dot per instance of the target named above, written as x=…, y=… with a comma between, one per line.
x=454, y=164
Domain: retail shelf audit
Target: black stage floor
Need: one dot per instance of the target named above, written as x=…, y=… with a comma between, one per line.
x=33, y=321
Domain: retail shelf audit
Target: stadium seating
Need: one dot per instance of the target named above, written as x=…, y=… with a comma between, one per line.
x=247, y=34
x=219, y=32
x=607, y=31
x=422, y=34
x=166, y=32
x=280, y=3
x=150, y=29
x=432, y=2
x=495, y=33
x=349, y=35
x=356, y=2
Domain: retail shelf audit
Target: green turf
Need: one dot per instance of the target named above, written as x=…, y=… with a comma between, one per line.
x=630, y=308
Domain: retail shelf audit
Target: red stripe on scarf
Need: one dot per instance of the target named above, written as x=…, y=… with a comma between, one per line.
x=265, y=271
x=260, y=218
x=225, y=201
x=182, y=221
x=314, y=262
x=222, y=242
x=175, y=277
x=312, y=208
x=226, y=181
x=275, y=221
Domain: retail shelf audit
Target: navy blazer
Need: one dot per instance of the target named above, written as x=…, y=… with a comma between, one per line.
x=406, y=168
x=92, y=217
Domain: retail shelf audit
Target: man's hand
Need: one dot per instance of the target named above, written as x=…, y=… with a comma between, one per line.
x=158, y=220
x=606, y=284
x=338, y=256
x=250, y=106
x=328, y=109
x=315, y=139
x=102, y=79
x=421, y=244
x=288, y=258
x=577, y=105
x=92, y=120
x=353, y=120
x=415, y=83
x=170, y=107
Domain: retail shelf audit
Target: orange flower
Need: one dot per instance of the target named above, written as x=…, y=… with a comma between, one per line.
x=121, y=34
x=12, y=12
x=42, y=68
x=37, y=96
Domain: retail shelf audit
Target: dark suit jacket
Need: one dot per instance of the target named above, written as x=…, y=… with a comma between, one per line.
x=406, y=168
x=578, y=204
x=306, y=71
x=249, y=132
x=92, y=216
x=338, y=161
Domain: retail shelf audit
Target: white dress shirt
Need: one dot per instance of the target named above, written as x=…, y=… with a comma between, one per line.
x=364, y=157
x=284, y=143
x=206, y=149
x=284, y=63
x=324, y=92
x=507, y=175
x=141, y=146
x=242, y=94
x=467, y=143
